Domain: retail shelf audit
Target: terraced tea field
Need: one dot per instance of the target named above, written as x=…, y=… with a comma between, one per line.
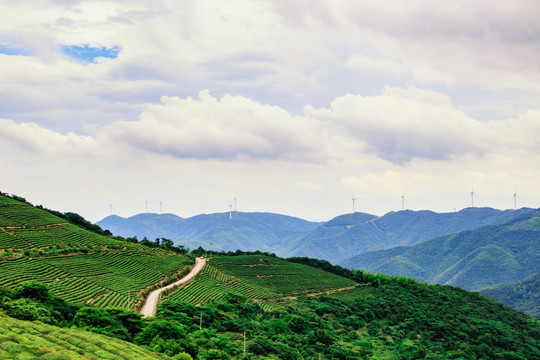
x=265, y=279
x=79, y=266
x=28, y=340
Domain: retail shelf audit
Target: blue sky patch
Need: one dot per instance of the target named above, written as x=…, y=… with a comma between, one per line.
x=8, y=50
x=89, y=54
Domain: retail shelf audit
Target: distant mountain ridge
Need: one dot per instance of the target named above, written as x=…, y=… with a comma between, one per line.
x=340, y=238
x=473, y=259
x=246, y=231
x=351, y=234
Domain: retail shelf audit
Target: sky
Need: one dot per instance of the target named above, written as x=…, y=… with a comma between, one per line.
x=291, y=107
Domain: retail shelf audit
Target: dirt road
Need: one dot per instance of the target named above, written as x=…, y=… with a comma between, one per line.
x=149, y=308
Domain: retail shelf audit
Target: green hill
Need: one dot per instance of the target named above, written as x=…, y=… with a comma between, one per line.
x=80, y=266
x=33, y=340
x=522, y=295
x=268, y=280
x=472, y=260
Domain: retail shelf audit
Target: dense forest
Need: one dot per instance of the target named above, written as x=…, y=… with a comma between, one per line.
x=401, y=319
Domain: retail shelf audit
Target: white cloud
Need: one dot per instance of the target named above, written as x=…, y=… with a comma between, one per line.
x=405, y=124
x=415, y=73
x=34, y=138
x=230, y=128
x=361, y=63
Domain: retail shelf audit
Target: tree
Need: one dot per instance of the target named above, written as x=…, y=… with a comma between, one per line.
x=166, y=330
x=33, y=290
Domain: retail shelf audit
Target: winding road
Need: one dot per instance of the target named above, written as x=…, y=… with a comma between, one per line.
x=149, y=308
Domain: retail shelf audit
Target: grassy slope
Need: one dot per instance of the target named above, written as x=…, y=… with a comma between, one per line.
x=80, y=266
x=266, y=279
x=30, y=340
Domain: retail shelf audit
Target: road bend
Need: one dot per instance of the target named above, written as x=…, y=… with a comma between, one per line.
x=149, y=308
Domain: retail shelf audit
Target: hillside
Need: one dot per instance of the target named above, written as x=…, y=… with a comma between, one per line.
x=268, y=280
x=32, y=340
x=80, y=266
x=523, y=295
x=472, y=260
x=245, y=231
x=354, y=234
x=379, y=318
x=254, y=304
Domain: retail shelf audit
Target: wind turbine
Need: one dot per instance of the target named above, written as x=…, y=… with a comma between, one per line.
x=516, y=196
x=473, y=194
x=146, y=204
x=403, y=201
x=353, y=200
x=230, y=211
x=160, y=207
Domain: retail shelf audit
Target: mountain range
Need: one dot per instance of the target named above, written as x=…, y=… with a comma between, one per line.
x=473, y=260
x=335, y=240
x=245, y=231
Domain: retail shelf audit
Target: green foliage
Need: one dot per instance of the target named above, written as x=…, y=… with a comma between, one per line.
x=33, y=290
x=80, y=266
x=27, y=309
x=34, y=301
x=120, y=323
x=401, y=319
x=34, y=340
x=265, y=278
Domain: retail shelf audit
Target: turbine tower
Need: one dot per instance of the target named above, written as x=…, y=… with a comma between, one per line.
x=473, y=194
x=160, y=207
x=230, y=211
x=146, y=204
x=353, y=200
x=403, y=201
x=516, y=196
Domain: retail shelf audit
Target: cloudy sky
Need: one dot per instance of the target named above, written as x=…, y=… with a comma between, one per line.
x=288, y=106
